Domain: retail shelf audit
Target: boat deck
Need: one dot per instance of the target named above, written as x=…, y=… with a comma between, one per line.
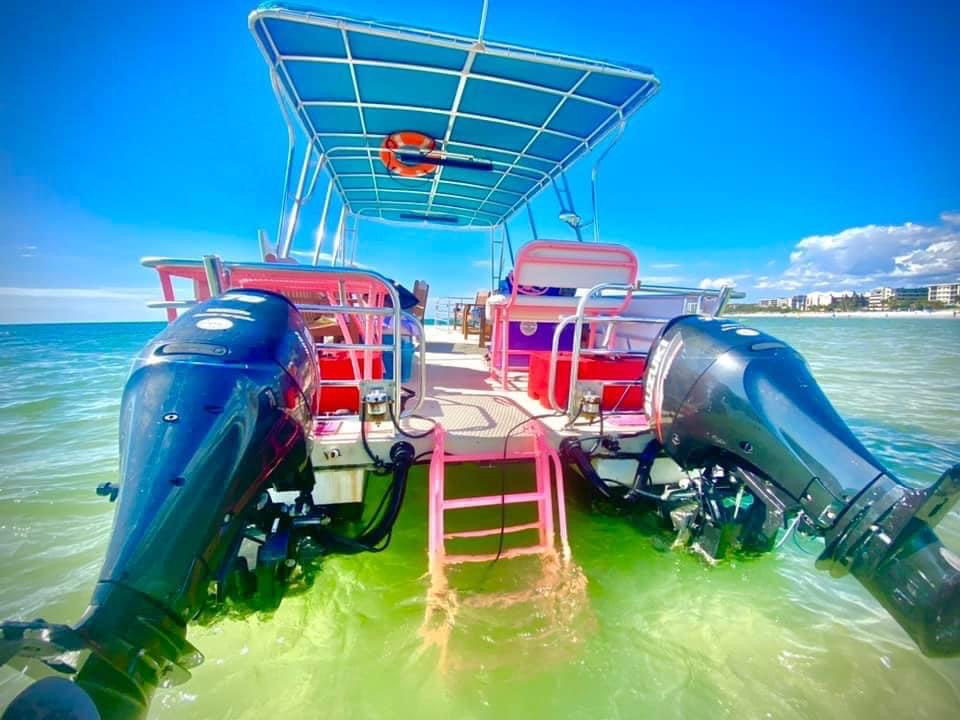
x=476, y=413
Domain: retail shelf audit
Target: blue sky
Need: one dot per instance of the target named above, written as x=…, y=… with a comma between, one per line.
x=809, y=146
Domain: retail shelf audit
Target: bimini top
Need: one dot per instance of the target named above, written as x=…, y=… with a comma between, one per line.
x=426, y=126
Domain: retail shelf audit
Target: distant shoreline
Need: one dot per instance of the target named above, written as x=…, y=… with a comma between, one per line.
x=873, y=315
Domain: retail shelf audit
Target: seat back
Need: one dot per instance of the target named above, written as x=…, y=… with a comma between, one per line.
x=564, y=264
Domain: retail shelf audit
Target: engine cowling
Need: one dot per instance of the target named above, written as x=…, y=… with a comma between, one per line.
x=721, y=394
x=217, y=409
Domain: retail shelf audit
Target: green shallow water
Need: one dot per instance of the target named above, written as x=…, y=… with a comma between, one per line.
x=630, y=629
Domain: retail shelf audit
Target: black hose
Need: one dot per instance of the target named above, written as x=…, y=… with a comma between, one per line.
x=380, y=467
x=503, y=481
x=401, y=456
x=572, y=451
x=408, y=434
x=375, y=537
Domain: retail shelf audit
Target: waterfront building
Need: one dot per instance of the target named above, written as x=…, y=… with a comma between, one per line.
x=917, y=293
x=948, y=294
x=819, y=299
x=879, y=298
x=882, y=298
x=826, y=298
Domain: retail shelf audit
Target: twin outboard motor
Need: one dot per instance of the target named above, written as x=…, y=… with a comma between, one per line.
x=720, y=395
x=217, y=409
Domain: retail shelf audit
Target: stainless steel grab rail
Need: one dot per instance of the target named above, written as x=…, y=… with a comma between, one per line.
x=578, y=332
x=555, y=353
x=723, y=295
x=422, y=374
x=330, y=309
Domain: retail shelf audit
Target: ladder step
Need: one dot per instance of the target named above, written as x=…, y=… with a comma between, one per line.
x=491, y=531
x=487, y=500
x=505, y=555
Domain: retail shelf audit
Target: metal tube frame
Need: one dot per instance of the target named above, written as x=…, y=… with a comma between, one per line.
x=322, y=226
x=493, y=261
x=355, y=235
x=580, y=318
x=444, y=153
x=483, y=21
x=358, y=204
x=555, y=354
x=593, y=179
x=455, y=107
x=503, y=244
x=291, y=146
x=338, y=236
x=506, y=235
x=566, y=206
x=449, y=40
x=396, y=313
x=726, y=293
x=394, y=348
x=370, y=153
x=213, y=264
x=283, y=250
x=578, y=333
x=442, y=111
x=277, y=61
x=213, y=269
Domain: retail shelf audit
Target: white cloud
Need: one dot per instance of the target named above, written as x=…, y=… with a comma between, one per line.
x=481, y=263
x=940, y=258
x=872, y=255
x=664, y=266
x=81, y=293
x=719, y=282
x=764, y=282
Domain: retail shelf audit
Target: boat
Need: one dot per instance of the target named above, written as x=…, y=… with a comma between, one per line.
x=253, y=426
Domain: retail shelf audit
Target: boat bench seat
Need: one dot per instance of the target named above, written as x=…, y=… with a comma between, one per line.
x=544, y=264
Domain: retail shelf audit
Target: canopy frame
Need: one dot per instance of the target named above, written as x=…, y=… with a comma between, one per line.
x=457, y=202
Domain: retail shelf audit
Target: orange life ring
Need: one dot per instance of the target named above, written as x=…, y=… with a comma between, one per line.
x=410, y=141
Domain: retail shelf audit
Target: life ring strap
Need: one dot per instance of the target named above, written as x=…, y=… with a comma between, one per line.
x=396, y=142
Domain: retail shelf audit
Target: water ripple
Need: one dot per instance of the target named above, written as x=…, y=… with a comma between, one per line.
x=631, y=630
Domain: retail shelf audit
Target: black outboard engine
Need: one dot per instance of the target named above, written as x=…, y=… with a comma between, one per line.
x=723, y=398
x=216, y=411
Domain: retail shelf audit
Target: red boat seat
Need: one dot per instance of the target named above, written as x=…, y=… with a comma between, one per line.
x=615, y=397
x=337, y=366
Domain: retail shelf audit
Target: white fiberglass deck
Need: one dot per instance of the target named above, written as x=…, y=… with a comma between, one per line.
x=476, y=413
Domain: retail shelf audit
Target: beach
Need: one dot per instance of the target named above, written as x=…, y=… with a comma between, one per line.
x=859, y=314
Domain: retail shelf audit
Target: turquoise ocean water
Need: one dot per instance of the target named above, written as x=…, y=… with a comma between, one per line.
x=632, y=630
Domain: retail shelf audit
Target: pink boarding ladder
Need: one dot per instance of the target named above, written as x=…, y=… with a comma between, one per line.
x=547, y=463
